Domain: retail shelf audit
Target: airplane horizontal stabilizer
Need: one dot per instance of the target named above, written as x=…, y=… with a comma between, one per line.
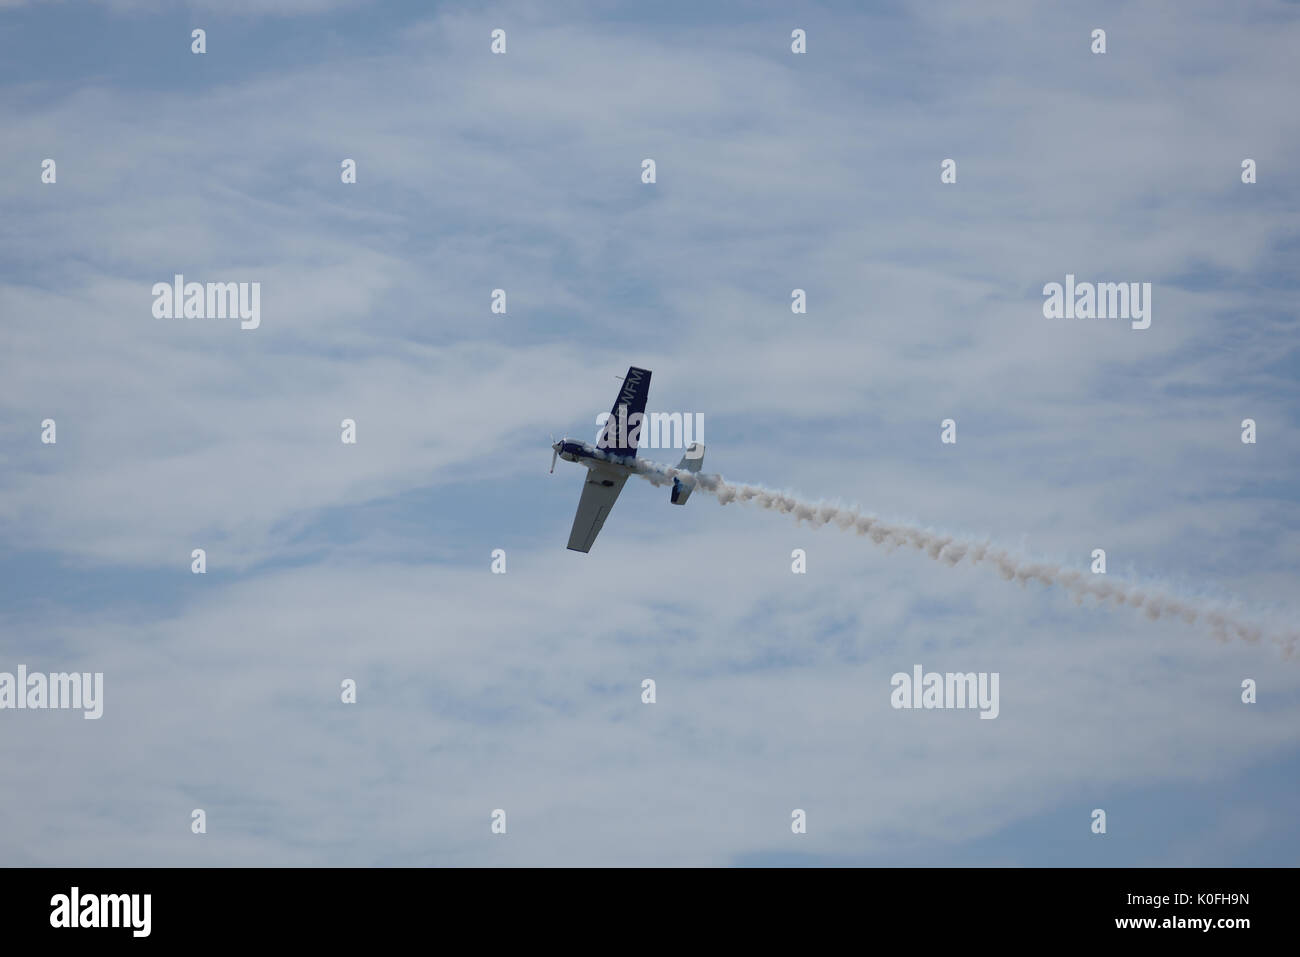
x=692, y=461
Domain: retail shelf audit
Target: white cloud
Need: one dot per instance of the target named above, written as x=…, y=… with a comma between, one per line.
x=521, y=172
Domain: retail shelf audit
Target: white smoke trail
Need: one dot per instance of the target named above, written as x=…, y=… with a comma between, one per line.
x=951, y=550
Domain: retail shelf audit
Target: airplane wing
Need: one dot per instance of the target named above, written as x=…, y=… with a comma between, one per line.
x=599, y=493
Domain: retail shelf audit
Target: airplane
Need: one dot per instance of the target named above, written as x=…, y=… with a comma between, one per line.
x=613, y=458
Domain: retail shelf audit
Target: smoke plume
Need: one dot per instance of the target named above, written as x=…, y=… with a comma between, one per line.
x=951, y=550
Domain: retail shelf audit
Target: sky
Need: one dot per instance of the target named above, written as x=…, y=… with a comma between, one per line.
x=522, y=692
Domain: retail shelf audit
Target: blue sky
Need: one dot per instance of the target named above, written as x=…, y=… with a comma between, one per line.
x=522, y=691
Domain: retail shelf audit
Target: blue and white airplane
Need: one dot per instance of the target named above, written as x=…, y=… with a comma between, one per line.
x=613, y=458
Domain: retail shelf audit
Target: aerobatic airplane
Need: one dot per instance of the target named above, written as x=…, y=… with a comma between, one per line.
x=613, y=458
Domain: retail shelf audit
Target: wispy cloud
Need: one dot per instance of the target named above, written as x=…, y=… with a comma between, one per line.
x=522, y=172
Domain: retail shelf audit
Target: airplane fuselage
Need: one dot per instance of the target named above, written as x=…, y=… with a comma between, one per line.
x=584, y=453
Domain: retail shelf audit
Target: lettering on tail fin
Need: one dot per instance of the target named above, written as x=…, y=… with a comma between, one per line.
x=623, y=427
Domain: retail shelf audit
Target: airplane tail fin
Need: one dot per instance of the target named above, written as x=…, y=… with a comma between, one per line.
x=692, y=461
x=622, y=427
